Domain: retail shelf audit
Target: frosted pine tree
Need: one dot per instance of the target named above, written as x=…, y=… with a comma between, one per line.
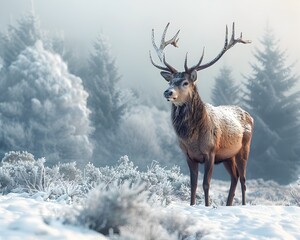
x=101, y=82
x=271, y=99
x=225, y=91
x=18, y=37
x=43, y=109
x=24, y=33
x=105, y=101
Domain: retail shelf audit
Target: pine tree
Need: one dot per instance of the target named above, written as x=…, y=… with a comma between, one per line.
x=101, y=83
x=43, y=109
x=25, y=33
x=18, y=37
x=225, y=91
x=270, y=99
x=100, y=79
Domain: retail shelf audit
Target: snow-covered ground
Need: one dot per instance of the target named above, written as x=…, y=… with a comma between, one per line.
x=245, y=222
x=22, y=217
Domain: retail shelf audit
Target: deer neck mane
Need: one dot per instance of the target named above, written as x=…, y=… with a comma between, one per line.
x=190, y=118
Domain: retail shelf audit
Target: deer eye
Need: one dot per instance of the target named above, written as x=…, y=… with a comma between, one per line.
x=184, y=84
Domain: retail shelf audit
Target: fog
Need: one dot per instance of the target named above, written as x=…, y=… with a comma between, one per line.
x=128, y=25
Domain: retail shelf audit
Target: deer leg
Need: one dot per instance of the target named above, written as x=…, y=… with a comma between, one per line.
x=208, y=170
x=193, y=166
x=241, y=164
x=231, y=169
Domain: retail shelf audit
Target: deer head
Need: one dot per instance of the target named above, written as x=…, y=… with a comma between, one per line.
x=182, y=84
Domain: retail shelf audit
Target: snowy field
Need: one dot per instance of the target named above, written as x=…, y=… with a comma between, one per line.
x=22, y=217
x=122, y=203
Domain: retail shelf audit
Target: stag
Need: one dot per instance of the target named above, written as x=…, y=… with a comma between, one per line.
x=206, y=134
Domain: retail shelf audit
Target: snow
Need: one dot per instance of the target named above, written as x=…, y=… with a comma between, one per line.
x=22, y=217
x=246, y=222
x=229, y=115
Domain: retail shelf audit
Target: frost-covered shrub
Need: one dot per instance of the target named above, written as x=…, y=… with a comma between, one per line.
x=61, y=182
x=295, y=192
x=26, y=175
x=108, y=208
x=124, y=211
x=6, y=182
x=15, y=156
x=158, y=183
x=125, y=170
x=260, y=192
x=69, y=171
x=91, y=174
x=162, y=183
x=65, y=180
x=160, y=224
x=181, y=225
x=166, y=184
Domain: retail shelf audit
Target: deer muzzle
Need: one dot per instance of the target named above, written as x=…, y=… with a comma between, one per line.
x=170, y=94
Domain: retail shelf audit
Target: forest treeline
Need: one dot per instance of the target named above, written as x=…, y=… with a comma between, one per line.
x=56, y=104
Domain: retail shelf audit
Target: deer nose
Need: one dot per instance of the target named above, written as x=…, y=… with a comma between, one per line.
x=168, y=93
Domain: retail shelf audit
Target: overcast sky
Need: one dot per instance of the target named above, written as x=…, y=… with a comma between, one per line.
x=128, y=24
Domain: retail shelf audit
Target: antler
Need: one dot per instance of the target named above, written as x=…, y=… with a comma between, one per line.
x=160, y=51
x=226, y=47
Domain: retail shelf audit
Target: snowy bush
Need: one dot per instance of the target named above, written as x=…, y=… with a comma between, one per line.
x=165, y=184
x=65, y=180
x=13, y=156
x=6, y=182
x=162, y=183
x=69, y=171
x=34, y=177
x=295, y=192
x=91, y=174
x=25, y=175
x=124, y=170
x=123, y=211
x=160, y=224
x=111, y=207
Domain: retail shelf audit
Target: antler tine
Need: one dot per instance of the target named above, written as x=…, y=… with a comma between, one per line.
x=163, y=43
x=173, y=70
x=185, y=63
x=189, y=70
x=159, y=67
x=226, y=47
x=160, y=51
x=233, y=33
x=154, y=45
x=226, y=37
x=233, y=41
x=173, y=41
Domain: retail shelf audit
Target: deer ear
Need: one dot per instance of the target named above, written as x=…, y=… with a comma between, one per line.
x=194, y=76
x=166, y=75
